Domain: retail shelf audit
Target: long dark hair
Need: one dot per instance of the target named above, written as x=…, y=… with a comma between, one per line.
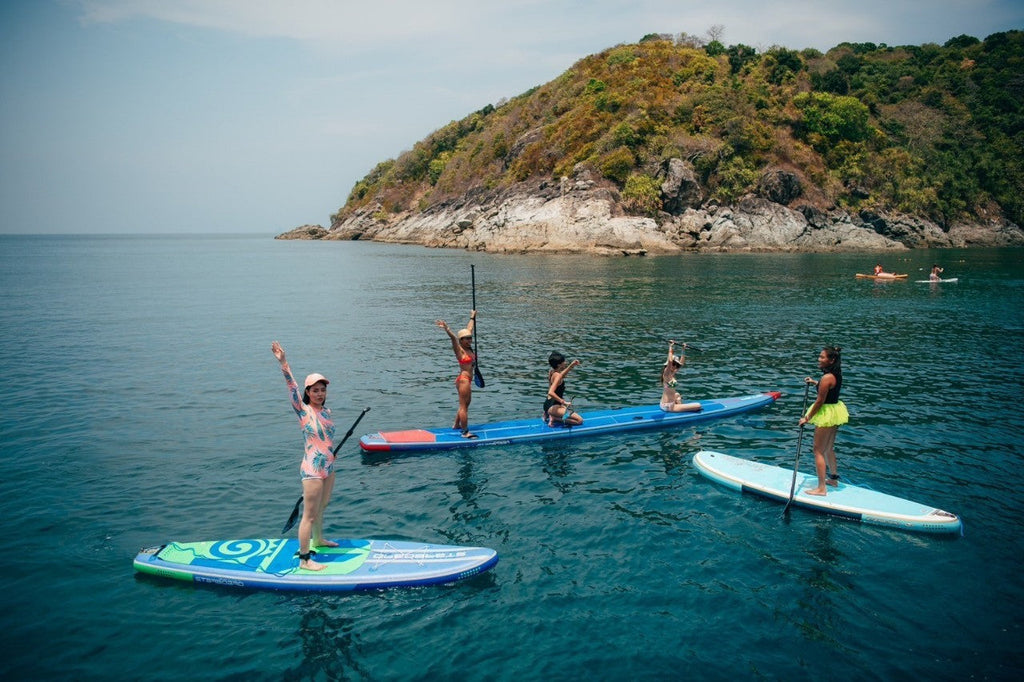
x=833, y=354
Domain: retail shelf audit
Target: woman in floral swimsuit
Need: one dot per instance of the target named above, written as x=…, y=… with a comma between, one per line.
x=317, y=468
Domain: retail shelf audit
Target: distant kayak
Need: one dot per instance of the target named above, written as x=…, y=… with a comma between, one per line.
x=936, y=281
x=883, y=276
x=594, y=423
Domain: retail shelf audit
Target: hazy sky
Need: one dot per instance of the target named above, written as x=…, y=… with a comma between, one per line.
x=256, y=116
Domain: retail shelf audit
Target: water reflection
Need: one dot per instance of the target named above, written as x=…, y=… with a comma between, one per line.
x=820, y=614
x=331, y=648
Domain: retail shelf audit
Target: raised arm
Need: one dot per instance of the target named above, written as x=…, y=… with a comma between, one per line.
x=557, y=378
x=293, y=386
x=451, y=335
x=456, y=347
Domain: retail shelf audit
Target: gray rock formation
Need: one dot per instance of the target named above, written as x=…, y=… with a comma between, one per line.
x=582, y=214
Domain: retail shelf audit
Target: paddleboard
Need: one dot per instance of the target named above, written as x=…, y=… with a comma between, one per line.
x=885, y=276
x=594, y=423
x=354, y=565
x=845, y=500
x=936, y=281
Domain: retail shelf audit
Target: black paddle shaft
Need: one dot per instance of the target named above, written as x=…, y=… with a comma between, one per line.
x=478, y=378
x=799, y=443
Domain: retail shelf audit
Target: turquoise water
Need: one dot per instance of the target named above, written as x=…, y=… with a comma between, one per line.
x=141, y=404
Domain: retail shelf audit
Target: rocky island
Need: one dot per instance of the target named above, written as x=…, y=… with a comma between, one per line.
x=675, y=145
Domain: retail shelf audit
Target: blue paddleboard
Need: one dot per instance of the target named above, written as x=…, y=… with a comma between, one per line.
x=845, y=500
x=353, y=565
x=594, y=423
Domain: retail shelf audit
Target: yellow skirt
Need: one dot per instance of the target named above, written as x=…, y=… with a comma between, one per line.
x=831, y=414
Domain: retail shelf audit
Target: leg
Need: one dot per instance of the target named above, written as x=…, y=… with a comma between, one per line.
x=819, y=462
x=465, y=387
x=830, y=454
x=312, y=493
x=318, y=522
x=687, y=407
x=554, y=414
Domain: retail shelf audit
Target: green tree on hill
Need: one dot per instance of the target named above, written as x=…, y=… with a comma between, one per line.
x=934, y=130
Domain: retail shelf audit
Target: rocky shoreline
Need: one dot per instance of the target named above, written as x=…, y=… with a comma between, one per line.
x=585, y=215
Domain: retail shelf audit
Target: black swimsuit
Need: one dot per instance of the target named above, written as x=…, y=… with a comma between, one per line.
x=832, y=397
x=559, y=391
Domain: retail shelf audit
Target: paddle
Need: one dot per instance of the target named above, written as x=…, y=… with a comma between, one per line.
x=686, y=346
x=799, y=442
x=478, y=378
x=295, y=512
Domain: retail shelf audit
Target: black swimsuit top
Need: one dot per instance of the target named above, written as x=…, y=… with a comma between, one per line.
x=832, y=396
x=560, y=392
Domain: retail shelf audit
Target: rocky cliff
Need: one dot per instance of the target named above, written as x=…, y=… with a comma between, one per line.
x=584, y=214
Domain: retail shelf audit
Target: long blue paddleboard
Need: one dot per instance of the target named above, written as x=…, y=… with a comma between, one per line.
x=594, y=423
x=845, y=500
x=353, y=565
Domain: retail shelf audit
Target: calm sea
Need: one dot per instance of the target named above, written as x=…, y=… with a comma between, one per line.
x=140, y=404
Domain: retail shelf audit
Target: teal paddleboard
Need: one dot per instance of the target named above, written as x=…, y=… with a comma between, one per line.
x=844, y=500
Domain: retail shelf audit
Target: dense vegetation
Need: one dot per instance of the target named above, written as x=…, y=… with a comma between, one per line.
x=935, y=131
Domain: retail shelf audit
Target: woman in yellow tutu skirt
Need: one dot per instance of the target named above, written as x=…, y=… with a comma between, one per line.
x=827, y=414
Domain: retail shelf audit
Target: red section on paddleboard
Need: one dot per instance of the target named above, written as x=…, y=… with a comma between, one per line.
x=774, y=394
x=410, y=436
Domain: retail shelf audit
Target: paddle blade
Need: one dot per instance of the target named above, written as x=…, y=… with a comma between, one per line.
x=293, y=518
x=478, y=378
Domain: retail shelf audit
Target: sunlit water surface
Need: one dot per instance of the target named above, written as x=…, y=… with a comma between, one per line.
x=141, y=404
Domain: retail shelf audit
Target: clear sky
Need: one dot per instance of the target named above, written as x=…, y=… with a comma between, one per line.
x=256, y=116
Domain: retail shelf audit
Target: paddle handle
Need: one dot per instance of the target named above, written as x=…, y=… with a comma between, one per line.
x=687, y=346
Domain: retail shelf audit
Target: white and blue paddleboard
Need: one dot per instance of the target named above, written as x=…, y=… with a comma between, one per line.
x=937, y=281
x=353, y=565
x=845, y=500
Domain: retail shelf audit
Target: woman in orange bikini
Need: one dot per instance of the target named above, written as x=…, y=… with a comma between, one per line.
x=462, y=344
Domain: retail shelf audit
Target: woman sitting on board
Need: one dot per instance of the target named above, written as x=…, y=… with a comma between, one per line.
x=827, y=414
x=671, y=401
x=462, y=344
x=556, y=408
x=317, y=468
x=936, y=275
